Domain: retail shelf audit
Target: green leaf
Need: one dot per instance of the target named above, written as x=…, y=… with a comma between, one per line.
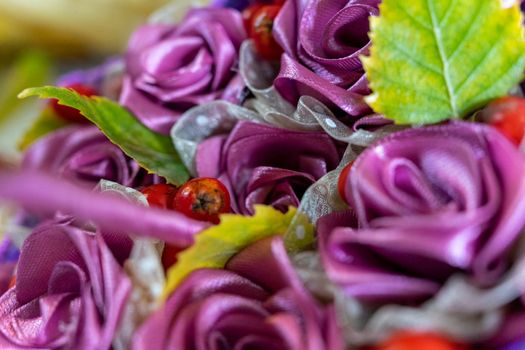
x=29, y=69
x=437, y=59
x=46, y=122
x=152, y=151
x=216, y=245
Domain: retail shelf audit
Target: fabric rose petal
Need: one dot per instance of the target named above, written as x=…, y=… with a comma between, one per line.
x=262, y=164
x=428, y=202
x=70, y=290
x=243, y=307
x=322, y=41
x=170, y=69
x=84, y=154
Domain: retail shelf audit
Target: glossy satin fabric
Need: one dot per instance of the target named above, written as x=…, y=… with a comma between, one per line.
x=262, y=164
x=428, y=202
x=170, y=69
x=69, y=293
x=257, y=302
x=322, y=41
x=83, y=153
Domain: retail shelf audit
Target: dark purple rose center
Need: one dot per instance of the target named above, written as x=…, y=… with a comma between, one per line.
x=244, y=331
x=280, y=188
x=99, y=161
x=346, y=33
x=436, y=181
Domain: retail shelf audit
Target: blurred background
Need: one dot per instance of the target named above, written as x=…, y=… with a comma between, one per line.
x=39, y=40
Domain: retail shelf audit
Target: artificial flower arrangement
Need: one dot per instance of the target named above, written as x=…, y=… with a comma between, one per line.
x=299, y=174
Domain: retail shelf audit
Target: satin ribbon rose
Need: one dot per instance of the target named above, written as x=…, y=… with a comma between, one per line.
x=428, y=202
x=243, y=307
x=322, y=41
x=262, y=164
x=70, y=290
x=84, y=154
x=170, y=69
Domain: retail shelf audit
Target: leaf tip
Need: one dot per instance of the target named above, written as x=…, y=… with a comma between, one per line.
x=365, y=60
x=374, y=21
x=26, y=93
x=372, y=99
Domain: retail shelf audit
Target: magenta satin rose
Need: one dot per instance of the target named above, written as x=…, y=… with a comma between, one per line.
x=70, y=291
x=244, y=306
x=262, y=164
x=84, y=154
x=322, y=41
x=170, y=69
x=428, y=202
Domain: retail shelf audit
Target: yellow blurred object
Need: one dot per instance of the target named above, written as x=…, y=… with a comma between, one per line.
x=74, y=26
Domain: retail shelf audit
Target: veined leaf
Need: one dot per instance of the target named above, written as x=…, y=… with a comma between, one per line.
x=153, y=151
x=216, y=245
x=437, y=59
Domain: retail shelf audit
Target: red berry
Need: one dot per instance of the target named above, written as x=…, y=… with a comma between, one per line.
x=507, y=114
x=169, y=255
x=203, y=199
x=260, y=30
x=343, y=178
x=247, y=16
x=419, y=341
x=69, y=113
x=160, y=195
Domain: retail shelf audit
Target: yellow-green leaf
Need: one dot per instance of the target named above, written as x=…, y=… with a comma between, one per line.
x=216, y=245
x=437, y=59
x=153, y=151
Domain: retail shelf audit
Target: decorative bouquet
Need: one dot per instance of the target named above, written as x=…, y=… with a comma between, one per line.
x=299, y=174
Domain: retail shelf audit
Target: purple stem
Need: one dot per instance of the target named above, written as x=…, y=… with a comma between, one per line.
x=44, y=194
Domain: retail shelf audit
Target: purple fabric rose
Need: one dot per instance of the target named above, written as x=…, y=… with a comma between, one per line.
x=262, y=164
x=84, y=154
x=172, y=68
x=428, y=202
x=322, y=41
x=243, y=307
x=69, y=292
